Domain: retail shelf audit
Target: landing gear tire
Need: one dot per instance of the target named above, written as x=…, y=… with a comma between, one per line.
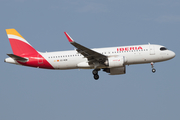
x=94, y=72
x=96, y=76
x=153, y=70
x=152, y=65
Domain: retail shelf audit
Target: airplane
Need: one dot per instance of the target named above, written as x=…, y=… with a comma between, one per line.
x=112, y=60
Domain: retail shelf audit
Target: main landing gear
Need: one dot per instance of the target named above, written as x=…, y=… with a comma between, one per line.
x=152, y=65
x=95, y=73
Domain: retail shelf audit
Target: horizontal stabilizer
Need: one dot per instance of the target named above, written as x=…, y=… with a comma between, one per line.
x=15, y=57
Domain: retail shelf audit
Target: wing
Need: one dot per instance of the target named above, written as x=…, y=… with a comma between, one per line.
x=92, y=56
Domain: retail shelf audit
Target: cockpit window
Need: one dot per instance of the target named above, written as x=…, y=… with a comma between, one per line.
x=163, y=48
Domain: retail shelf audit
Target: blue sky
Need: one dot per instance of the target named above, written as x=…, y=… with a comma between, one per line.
x=30, y=93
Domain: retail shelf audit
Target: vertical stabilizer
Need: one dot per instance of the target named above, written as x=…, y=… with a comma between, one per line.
x=18, y=44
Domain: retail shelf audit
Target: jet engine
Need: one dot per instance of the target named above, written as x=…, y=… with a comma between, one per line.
x=114, y=62
x=115, y=65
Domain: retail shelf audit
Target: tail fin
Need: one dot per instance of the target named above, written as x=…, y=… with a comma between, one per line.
x=18, y=44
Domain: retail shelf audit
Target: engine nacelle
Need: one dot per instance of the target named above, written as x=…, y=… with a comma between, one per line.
x=115, y=71
x=114, y=62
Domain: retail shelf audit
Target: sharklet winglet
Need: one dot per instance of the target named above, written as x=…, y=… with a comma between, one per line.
x=69, y=38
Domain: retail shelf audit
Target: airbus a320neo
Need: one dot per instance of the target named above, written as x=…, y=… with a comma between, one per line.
x=112, y=60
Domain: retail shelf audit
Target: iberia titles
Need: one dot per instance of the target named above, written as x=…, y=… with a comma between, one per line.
x=129, y=48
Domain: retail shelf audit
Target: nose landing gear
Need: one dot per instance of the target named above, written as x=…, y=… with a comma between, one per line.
x=153, y=69
x=95, y=73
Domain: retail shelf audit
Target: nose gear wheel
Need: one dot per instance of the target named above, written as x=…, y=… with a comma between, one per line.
x=153, y=69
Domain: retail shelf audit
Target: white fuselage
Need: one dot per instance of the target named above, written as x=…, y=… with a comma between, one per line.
x=133, y=55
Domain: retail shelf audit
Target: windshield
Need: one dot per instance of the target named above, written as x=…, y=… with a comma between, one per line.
x=163, y=48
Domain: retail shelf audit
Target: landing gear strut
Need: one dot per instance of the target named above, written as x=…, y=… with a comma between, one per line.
x=152, y=65
x=95, y=73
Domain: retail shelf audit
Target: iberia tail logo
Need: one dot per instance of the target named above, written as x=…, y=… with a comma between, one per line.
x=18, y=44
x=23, y=51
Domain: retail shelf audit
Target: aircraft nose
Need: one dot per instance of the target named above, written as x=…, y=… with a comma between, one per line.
x=172, y=54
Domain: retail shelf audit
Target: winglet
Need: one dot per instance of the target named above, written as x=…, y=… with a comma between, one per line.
x=69, y=38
